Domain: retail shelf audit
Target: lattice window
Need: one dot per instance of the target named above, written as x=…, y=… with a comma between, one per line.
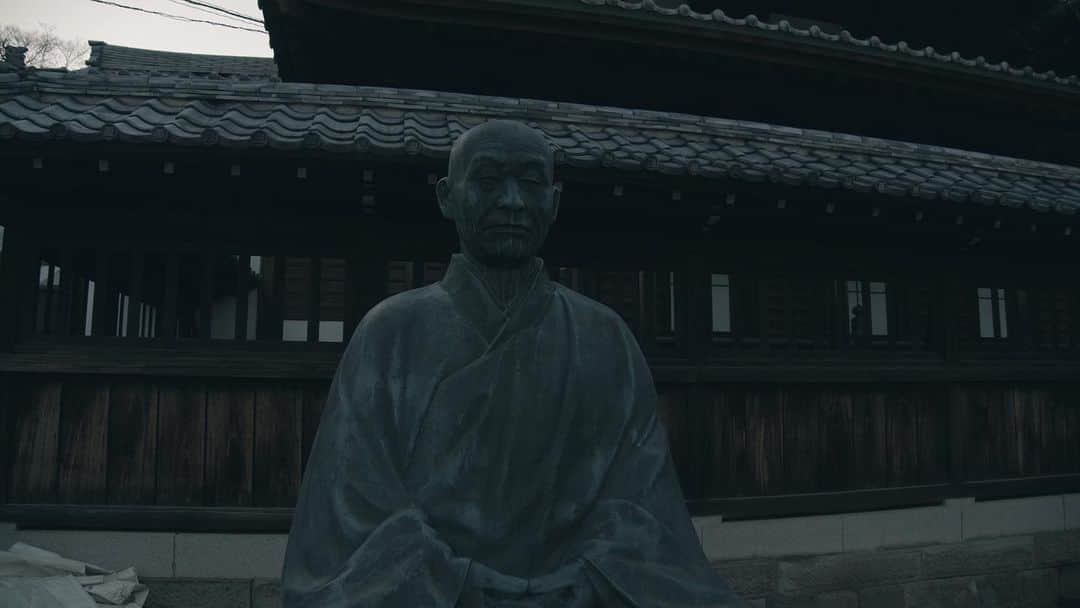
x=720, y=300
x=189, y=296
x=868, y=308
x=993, y=313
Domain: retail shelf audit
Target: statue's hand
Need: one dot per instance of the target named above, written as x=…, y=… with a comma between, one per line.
x=484, y=577
x=566, y=576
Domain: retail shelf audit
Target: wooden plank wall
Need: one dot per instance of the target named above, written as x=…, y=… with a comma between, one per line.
x=186, y=442
x=765, y=440
x=183, y=442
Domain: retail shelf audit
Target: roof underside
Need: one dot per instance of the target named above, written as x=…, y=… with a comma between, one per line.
x=348, y=120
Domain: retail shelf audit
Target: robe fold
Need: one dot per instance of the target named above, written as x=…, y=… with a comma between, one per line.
x=476, y=456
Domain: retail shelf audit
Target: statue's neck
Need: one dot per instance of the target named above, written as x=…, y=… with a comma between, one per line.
x=505, y=284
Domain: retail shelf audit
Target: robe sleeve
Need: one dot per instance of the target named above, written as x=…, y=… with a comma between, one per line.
x=638, y=542
x=357, y=537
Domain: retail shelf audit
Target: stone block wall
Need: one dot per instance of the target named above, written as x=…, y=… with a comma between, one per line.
x=1036, y=570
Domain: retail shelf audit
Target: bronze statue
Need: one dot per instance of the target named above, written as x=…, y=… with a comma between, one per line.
x=492, y=439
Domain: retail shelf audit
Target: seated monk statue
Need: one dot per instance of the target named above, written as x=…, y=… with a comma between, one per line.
x=492, y=440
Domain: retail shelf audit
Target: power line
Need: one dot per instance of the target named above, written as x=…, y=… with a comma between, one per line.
x=179, y=17
x=222, y=10
x=207, y=11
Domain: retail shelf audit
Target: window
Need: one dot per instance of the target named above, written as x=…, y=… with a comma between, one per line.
x=161, y=295
x=405, y=275
x=867, y=306
x=720, y=291
x=993, y=320
x=301, y=276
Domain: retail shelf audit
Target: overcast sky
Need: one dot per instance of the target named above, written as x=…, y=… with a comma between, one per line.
x=85, y=20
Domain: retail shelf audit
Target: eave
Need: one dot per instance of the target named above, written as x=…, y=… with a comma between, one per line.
x=649, y=25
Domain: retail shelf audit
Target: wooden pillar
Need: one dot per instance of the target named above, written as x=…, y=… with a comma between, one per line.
x=948, y=320
x=13, y=282
x=695, y=291
x=958, y=422
x=314, y=298
x=27, y=270
x=167, y=329
x=243, y=283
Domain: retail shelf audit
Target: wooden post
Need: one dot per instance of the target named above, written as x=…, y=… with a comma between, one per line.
x=695, y=292
x=789, y=314
x=101, y=317
x=647, y=291
x=842, y=325
x=135, y=297
x=167, y=329
x=206, y=296
x=314, y=293
x=893, y=296
x=62, y=325
x=12, y=284
x=243, y=272
x=949, y=335
x=955, y=436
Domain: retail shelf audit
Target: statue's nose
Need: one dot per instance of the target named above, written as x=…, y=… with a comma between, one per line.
x=511, y=196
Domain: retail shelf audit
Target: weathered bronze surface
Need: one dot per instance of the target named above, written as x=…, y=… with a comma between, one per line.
x=492, y=439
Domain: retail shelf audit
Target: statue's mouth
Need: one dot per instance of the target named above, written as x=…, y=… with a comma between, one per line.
x=507, y=229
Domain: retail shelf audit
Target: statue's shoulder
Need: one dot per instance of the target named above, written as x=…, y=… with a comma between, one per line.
x=389, y=316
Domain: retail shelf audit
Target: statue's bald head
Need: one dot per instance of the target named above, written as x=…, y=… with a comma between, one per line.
x=512, y=133
x=500, y=191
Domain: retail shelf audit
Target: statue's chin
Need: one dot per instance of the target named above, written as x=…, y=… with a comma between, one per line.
x=504, y=261
x=510, y=253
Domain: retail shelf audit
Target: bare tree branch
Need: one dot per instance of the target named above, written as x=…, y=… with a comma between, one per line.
x=45, y=49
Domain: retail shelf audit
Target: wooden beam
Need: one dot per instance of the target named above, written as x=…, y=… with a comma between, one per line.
x=247, y=519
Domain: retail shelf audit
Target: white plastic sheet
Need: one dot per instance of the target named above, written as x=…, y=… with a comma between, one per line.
x=31, y=577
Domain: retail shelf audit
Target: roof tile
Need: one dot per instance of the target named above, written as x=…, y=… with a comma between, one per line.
x=240, y=114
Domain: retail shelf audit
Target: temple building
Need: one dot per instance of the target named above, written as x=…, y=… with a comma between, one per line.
x=850, y=260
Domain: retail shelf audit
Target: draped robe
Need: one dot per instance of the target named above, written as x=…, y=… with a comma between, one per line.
x=476, y=456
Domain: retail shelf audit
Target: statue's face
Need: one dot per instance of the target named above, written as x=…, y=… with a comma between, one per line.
x=500, y=193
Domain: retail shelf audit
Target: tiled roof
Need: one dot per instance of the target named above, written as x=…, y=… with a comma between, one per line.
x=199, y=111
x=718, y=19
x=112, y=58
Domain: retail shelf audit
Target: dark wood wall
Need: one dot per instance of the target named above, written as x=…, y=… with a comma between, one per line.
x=143, y=441
x=181, y=442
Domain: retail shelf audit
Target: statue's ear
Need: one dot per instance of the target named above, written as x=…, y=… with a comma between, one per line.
x=442, y=192
x=556, y=194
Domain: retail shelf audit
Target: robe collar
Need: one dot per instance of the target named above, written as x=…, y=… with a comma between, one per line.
x=480, y=308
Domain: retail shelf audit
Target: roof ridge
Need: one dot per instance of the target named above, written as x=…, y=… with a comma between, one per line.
x=117, y=58
x=751, y=21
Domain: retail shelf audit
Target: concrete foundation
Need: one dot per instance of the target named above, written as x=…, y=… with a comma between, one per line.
x=1007, y=553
